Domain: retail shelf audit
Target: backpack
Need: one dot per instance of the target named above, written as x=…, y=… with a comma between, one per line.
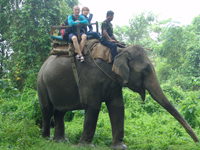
x=66, y=31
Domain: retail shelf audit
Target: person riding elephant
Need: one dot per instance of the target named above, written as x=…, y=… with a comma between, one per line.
x=85, y=12
x=73, y=36
x=108, y=39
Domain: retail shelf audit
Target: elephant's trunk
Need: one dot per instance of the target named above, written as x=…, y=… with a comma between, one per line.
x=152, y=85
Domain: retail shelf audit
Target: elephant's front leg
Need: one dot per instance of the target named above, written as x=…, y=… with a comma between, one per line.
x=116, y=113
x=90, y=122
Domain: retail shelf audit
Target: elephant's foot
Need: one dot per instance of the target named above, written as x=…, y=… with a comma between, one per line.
x=120, y=145
x=48, y=139
x=46, y=133
x=85, y=144
x=61, y=139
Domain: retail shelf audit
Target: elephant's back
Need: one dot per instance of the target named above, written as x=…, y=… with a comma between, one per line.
x=55, y=67
x=57, y=76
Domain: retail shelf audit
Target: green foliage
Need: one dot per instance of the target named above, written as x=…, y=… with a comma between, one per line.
x=23, y=105
x=18, y=134
x=192, y=63
x=180, y=50
x=27, y=35
x=172, y=46
x=195, y=82
x=69, y=116
x=139, y=26
x=185, y=83
x=191, y=109
x=72, y=3
x=5, y=8
x=163, y=69
x=3, y=57
x=196, y=23
x=138, y=32
x=174, y=92
x=31, y=43
x=66, y=9
x=144, y=29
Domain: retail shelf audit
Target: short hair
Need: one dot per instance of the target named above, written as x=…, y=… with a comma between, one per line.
x=76, y=6
x=85, y=8
x=110, y=12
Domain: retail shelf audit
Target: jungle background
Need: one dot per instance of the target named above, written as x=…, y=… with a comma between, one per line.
x=25, y=44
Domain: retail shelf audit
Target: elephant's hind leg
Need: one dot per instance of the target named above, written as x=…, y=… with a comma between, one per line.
x=47, y=112
x=59, y=133
x=46, y=123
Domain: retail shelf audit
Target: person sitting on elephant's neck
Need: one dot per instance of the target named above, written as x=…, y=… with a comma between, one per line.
x=85, y=11
x=108, y=39
x=73, y=36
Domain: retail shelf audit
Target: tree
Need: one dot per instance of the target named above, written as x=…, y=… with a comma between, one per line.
x=138, y=31
x=196, y=24
x=72, y=3
x=192, y=54
x=180, y=48
x=27, y=34
x=7, y=11
x=172, y=46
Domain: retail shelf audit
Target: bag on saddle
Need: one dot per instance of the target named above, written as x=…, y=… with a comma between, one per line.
x=66, y=31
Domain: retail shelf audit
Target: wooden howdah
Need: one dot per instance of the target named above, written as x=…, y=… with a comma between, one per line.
x=62, y=47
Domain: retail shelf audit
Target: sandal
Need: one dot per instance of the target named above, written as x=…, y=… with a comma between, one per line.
x=81, y=58
x=78, y=57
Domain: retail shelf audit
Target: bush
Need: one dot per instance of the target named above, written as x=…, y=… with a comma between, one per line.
x=31, y=81
x=172, y=92
x=7, y=90
x=163, y=70
x=190, y=108
x=18, y=134
x=21, y=105
x=69, y=116
x=195, y=83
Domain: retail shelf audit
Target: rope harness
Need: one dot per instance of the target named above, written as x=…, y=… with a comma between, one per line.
x=75, y=69
x=96, y=62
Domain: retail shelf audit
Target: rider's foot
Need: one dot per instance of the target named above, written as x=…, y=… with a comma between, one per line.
x=81, y=59
x=77, y=57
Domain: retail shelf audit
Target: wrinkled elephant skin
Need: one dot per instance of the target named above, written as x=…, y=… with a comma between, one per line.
x=59, y=93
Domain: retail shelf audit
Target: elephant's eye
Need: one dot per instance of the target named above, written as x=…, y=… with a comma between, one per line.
x=147, y=70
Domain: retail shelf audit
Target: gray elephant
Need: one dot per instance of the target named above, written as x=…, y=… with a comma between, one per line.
x=59, y=93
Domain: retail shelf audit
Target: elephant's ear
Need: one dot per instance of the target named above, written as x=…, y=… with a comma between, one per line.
x=120, y=65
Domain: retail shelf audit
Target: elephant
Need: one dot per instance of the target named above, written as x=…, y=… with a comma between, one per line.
x=58, y=92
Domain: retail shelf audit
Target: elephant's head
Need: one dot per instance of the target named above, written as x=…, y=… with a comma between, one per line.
x=137, y=73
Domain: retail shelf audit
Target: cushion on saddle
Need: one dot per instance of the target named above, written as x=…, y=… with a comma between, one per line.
x=89, y=45
x=58, y=38
x=98, y=50
x=68, y=49
x=103, y=52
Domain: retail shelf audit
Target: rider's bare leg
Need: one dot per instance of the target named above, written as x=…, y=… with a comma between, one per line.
x=82, y=44
x=76, y=45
